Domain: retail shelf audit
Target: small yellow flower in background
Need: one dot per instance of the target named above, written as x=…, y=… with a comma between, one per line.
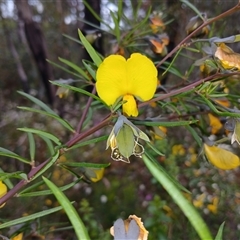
x=198, y=202
x=18, y=237
x=131, y=79
x=3, y=191
x=214, y=206
x=178, y=150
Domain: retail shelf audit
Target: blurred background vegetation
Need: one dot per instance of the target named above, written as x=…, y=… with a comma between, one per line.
x=125, y=189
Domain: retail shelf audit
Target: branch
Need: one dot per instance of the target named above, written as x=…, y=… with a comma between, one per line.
x=37, y=169
x=223, y=15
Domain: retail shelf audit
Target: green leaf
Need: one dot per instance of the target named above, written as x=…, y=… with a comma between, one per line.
x=7, y=181
x=85, y=165
x=193, y=8
x=96, y=16
x=50, y=145
x=75, y=67
x=52, y=160
x=55, y=116
x=32, y=187
x=32, y=146
x=41, y=133
x=72, y=214
x=47, y=192
x=220, y=232
x=38, y=102
x=116, y=26
x=214, y=109
x=78, y=90
x=91, y=51
x=195, y=135
x=155, y=149
x=19, y=175
x=165, y=124
x=29, y=217
x=187, y=208
x=15, y=156
x=65, y=69
x=89, y=68
x=95, y=140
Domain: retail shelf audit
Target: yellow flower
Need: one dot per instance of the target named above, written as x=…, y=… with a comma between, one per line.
x=3, y=191
x=133, y=78
x=214, y=206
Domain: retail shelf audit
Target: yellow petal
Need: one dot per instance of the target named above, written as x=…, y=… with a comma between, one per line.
x=141, y=77
x=3, y=191
x=18, y=237
x=214, y=123
x=228, y=58
x=130, y=107
x=112, y=79
x=221, y=158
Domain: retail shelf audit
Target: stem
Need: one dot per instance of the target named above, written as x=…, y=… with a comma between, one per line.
x=79, y=137
x=85, y=111
x=225, y=14
x=188, y=87
x=35, y=170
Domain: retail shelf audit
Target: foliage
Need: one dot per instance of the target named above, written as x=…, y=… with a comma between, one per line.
x=167, y=175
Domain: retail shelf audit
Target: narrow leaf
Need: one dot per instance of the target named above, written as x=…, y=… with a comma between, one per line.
x=32, y=146
x=29, y=217
x=193, y=8
x=52, y=160
x=41, y=133
x=75, y=67
x=15, y=156
x=165, y=124
x=71, y=212
x=220, y=232
x=95, y=140
x=47, y=192
x=38, y=102
x=78, y=90
x=187, y=208
x=86, y=165
x=19, y=174
x=91, y=51
x=55, y=116
x=50, y=145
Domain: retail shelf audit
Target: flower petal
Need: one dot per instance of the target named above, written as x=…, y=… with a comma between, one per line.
x=112, y=78
x=130, y=107
x=142, y=77
x=3, y=191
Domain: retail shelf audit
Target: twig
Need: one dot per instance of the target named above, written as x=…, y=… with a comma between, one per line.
x=225, y=14
x=35, y=170
x=85, y=111
x=188, y=87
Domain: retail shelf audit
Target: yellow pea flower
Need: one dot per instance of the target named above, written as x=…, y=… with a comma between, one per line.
x=3, y=191
x=132, y=78
x=221, y=158
x=227, y=57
